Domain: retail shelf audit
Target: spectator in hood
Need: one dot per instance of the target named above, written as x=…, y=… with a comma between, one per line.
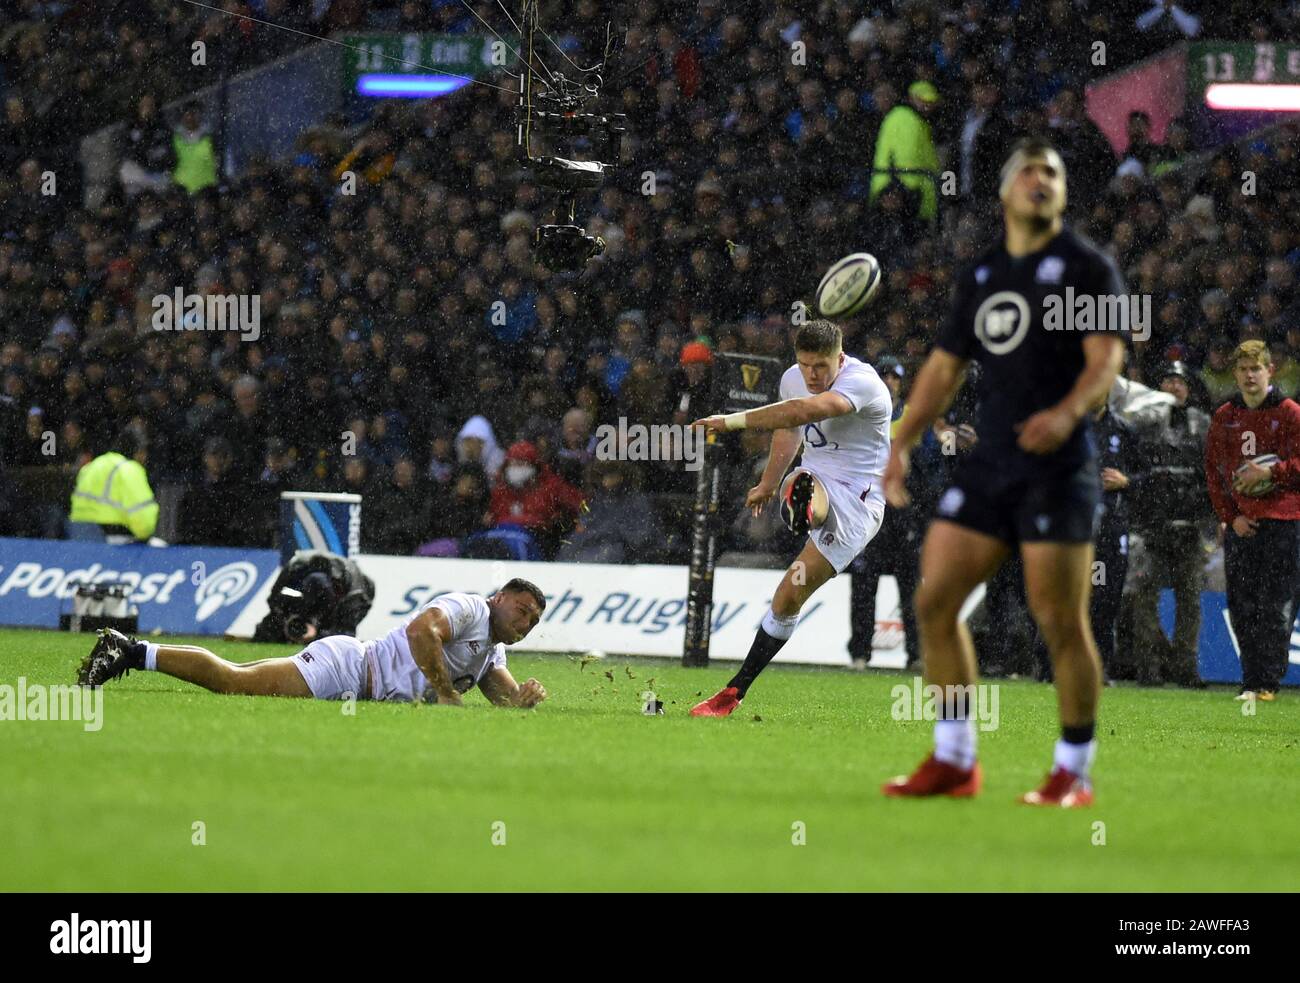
x=477, y=444
x=531, y=496
x=1217, y=375
x=279, y=473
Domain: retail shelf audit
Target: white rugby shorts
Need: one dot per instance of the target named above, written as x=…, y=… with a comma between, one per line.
x=334, y=668
x=852, y=520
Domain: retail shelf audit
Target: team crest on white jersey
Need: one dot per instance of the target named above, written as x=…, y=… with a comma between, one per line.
x=1002, y=322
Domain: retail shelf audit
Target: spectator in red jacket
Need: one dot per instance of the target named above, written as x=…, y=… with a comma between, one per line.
x=1258, y=505
x=531, y=496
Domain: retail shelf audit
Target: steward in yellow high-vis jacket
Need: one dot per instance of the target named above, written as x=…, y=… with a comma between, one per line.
x=113, y=496
x=905, y=150
x=195, y=152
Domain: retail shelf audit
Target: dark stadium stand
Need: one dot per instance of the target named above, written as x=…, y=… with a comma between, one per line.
x=377, y=306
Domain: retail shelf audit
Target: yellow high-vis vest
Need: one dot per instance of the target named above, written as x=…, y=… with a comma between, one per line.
x=114, y=490
x=196, y=162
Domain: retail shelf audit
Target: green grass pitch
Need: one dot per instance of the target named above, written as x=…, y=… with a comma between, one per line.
x=593, y=795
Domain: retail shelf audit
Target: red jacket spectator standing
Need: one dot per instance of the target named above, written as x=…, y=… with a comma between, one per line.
x=531, y=495
x=1259, y=508
x=1275, y=426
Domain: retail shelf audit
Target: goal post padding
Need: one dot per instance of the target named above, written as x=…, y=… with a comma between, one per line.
x=740, y=382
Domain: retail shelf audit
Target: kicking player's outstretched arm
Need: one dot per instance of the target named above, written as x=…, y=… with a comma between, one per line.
x=426, y=635
x=788, y=413
x=501, y=689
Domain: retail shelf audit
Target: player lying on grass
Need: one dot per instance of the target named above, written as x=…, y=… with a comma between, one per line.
x=838, y=408
x=452, y=643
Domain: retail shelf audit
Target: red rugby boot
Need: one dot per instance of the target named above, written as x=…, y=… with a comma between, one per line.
x=936, y=777
x=721, y=704
x=1062, y=788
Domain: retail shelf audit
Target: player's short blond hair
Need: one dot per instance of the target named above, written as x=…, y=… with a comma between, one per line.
x=1253, y=350
x=819, y=337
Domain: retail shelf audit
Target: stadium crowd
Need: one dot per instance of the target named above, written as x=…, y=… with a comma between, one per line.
x=411, y=350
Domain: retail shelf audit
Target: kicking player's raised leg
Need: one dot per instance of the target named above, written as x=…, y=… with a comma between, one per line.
x=115, y=654
x=954, y=561
x=1058, y=584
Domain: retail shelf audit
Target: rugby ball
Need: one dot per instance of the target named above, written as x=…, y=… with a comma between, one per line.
x=1264, y=460
x=848, y=286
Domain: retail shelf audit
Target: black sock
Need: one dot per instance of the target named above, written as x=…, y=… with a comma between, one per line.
x=1078, y=735
x=953, y=704
x=761, y=653
x=136, y=653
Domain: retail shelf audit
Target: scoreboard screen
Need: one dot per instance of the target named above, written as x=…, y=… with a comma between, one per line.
x=1255, y=76
x=418, y=66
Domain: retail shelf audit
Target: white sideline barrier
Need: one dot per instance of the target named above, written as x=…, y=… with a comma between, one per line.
x=628, y=610
x=641, y=610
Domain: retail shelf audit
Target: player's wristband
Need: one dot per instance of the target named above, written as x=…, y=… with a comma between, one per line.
x=734, y=421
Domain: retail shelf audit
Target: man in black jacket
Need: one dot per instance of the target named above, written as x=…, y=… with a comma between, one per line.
x=897, y=547
x=1117, y=454
x=1089, y=158
x=1170, y=502
x=1118, y=460
x=985, y=134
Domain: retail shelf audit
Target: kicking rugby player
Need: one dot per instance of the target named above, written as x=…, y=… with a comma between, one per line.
x=1031, y=483
x=838, y=408
x=454, y=642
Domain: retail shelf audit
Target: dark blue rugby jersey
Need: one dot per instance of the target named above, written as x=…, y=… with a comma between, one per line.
x=997, y=320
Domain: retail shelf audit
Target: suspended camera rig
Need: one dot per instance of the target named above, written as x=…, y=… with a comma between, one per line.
x=557, y=114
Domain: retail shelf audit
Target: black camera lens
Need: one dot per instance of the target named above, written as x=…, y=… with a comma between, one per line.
x=566, y=247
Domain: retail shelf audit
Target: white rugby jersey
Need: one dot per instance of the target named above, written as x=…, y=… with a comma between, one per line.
x=852, y=449
x=469, y=655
